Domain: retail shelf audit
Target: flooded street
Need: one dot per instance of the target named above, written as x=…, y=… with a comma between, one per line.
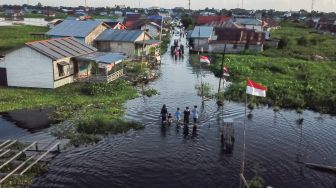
x=170, y=156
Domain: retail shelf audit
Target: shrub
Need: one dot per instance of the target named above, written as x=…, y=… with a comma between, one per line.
x=313, y=41
x=283, y=43
x=302, y=41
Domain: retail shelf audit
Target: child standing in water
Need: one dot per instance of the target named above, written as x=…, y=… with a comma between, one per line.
x=170, y=117
x=178, y=115
x=195, y=114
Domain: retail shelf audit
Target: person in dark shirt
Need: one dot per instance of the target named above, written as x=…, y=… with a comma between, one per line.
x=163, y=113
x=186, y=114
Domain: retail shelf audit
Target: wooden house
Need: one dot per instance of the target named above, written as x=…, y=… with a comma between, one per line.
x=236, y=40
x=56, y=62
x=85, y=31
x=199, y=38
x=129, y=42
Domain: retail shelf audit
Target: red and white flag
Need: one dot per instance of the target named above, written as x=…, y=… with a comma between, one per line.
x=204, y=59
x=226, y=71
x=255, y=89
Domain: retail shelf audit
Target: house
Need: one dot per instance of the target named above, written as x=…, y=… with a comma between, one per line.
x=152, y=28
x=225, y=24
x=113, y=24
x=326, y=25
x=44, y=64
x=129, y=42
x=236, y=40
x=203, y=20
x=249, y=23
x=199, y=38
x=13, y=14
x=55, y=62
x=85, y=31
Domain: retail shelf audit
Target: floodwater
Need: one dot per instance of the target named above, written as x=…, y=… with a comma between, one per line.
x=26, y=21
x=171, y=156
x=26, y=125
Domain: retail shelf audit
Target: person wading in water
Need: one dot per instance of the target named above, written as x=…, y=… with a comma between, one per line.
x=164, y=113
x=186, y=114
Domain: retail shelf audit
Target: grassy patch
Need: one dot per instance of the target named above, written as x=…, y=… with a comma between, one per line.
x=151, y=92
x=303, y=43
x=165, y=42
x=13, y=36
x=292, y=83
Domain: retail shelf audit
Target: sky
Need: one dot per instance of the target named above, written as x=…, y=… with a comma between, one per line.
x=285, y=5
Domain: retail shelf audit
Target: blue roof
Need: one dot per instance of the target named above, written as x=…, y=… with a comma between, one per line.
x=202, y=32
x=74, y=28
x=119, y=35
x=103, y=57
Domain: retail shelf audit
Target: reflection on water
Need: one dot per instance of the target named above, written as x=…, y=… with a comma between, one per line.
x=188, y=156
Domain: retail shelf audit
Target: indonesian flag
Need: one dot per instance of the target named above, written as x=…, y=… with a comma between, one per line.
x=255, y=89
x=264, y=23
x=226, y=71
x=204, y=59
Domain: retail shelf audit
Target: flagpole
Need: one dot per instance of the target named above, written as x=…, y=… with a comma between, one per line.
x=244, y=145
x=222, y=71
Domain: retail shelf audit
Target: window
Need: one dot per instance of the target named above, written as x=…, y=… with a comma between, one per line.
x=60, y=70
x=60, y=67
x=119, y=43
x=235, y=46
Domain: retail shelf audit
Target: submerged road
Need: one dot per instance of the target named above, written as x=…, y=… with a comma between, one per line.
x=163, y=156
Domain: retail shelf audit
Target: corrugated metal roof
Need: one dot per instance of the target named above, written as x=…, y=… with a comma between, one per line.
x=202, y=32
x=248, y=21
x=103, y=57
x=61, y=48
x=119, y=35
x=74, y=28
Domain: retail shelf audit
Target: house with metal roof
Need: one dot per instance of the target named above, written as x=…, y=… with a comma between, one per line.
x=200, y=37
x=249, y=23
x=56, y=62
x=85, y=31
x=133, y=43
x=236, y=40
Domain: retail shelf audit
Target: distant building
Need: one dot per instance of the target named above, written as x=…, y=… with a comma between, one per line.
x=199, y=38
x=236, y=40
x=210, y=39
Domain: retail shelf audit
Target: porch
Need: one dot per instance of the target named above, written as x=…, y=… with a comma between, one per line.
x=100, y=67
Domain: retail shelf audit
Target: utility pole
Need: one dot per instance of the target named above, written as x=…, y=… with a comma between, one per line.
x=242, y=4
x=189, y=6
x=312, y=6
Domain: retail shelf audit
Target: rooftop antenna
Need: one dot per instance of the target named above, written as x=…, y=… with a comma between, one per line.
x=189, y=5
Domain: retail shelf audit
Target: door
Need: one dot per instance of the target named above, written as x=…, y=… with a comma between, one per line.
x=3, y=77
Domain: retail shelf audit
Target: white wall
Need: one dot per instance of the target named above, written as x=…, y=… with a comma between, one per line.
x=28, y=68
x=2, y=63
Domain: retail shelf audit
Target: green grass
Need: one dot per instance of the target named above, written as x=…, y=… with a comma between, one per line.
x=80, y=104
x=291, y=83
x=316, y=44
x=13, y=36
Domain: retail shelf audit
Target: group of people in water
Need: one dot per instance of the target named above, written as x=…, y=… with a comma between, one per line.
x=168, y=118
